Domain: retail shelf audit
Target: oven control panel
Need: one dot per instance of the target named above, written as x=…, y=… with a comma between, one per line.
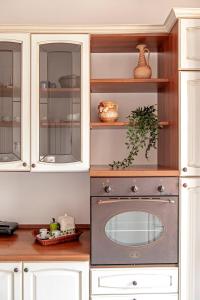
x=134, y=186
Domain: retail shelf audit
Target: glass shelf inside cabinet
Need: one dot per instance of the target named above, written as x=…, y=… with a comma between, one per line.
x=10, y=101
x=60, y=103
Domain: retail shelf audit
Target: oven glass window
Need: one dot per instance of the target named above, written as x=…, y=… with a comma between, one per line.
x=134, y=228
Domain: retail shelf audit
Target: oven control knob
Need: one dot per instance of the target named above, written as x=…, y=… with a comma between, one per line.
x=134, y=188
x=161, y=188
x=107, y=189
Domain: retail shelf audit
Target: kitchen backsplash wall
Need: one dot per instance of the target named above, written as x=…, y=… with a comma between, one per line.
x=34, y=198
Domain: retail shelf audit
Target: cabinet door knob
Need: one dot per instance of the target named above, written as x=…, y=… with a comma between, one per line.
x=16, y=270
x=184, y=169
x=33, y=165
x=134, y=282
x=107, y=189
x=185, y=185
x=161, y=188
x=26, y=270
x=134, y=188
x=24, y=164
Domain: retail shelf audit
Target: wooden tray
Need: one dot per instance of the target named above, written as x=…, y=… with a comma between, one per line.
x=61, y=239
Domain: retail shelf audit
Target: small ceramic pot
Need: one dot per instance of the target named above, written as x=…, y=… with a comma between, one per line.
x=108, y=111
x=66, y=222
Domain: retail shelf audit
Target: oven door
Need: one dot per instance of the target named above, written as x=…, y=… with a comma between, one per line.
x=134, y=230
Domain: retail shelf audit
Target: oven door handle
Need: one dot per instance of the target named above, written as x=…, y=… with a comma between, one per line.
x=110, y=201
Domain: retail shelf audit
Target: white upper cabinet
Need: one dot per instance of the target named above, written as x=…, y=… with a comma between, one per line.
x=189, y=41
x=189, y=123
x=14, y=102
x=190, y=238
x=56, y=281
x=11, y=281
x=60, y=102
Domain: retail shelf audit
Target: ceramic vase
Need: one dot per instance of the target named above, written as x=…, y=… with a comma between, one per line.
x=108, y=111
x=143, y=70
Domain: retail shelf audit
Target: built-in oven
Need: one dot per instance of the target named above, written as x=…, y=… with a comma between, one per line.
x=134, y=221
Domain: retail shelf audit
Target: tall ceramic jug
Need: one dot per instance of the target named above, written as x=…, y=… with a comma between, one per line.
x=143, y=70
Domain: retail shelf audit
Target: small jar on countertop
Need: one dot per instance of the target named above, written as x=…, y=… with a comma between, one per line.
x=67, y=223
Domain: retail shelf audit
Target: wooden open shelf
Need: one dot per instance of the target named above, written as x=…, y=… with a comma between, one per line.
x=116, y=43
x=10, y=92
x=117, y=125
x=136, y=171
x=59, y=92
x=9, y=124
x=127, y=85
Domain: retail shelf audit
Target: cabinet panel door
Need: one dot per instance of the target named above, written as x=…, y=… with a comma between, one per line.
x=134, y=281
x=189, y=123
x=137, y=297
x=10, y=281
x=189, y=41
x=14, y=102
x=60, y=102
x=190, y=238
x=60, y=281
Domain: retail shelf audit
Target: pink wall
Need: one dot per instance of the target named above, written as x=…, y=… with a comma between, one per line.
x=89, y=11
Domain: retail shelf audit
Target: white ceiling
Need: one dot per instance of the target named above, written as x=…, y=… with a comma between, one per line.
x=89, y=11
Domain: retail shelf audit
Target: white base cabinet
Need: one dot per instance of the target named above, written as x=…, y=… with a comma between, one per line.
x=190, y=238
x=56, y=281
x=138, y=297
x=11, y=281
x=134, y=283
x=44, y=281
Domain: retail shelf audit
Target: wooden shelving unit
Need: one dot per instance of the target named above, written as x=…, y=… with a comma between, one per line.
x=166, y=87
x=127, y=85
x=137, y=171
x=117, y=125
x=59, y=92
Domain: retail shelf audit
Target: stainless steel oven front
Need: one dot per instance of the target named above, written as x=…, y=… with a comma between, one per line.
x=134, y=221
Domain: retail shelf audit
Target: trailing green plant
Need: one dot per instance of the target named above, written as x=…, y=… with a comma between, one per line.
x=142, y=133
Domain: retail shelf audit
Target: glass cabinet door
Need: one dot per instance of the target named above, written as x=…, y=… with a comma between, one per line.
x=14, y=102
x=60, y=102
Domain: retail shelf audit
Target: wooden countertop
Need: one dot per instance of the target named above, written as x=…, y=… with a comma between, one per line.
x=21, y=246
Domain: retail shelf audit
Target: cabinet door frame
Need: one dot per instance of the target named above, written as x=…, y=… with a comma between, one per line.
x=24, y=39
x=136, y=297
x=185, y=61
x=83, y=40
x=82, y=267
x=184, y=118
x=8, y=268
x=187, y=238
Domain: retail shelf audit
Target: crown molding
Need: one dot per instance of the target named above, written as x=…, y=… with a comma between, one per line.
x=92, y=29
x=178, y=13
x=175, y=14
x=170, y=21
x=192, y=13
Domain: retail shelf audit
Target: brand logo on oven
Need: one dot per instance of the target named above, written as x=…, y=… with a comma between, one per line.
x=134, y=254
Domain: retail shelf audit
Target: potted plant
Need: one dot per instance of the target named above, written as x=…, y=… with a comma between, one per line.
x=142, y=133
